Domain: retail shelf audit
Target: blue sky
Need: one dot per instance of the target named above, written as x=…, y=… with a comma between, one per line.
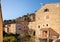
x=12, y=9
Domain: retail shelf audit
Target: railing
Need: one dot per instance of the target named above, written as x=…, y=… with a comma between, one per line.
x=42, y=37
x=50, y=37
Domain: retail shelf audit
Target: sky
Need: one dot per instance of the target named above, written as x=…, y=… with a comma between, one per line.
x=12, y=9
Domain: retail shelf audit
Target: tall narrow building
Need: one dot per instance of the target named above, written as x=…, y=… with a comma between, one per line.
x=1, y=33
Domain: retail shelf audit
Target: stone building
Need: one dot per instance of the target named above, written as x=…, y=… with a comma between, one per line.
x=10, y=26
x=47, y=23
x=18, y=25
x=23, y=22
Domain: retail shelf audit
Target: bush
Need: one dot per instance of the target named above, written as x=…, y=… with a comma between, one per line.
x=9, y=39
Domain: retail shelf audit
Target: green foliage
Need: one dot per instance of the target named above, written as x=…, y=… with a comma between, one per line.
x=9, y=39
x=25, y=37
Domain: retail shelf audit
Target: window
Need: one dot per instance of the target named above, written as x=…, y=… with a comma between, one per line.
x=33, y=17
x=46, y=24
x=19, y=28
x=38, y=26
x=8, y=30
x=24, y=19
x=46, y=10
x=34, y=33
x=24, y=26
x=43, y=25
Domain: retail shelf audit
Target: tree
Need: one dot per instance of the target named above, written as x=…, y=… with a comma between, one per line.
x=9, y=39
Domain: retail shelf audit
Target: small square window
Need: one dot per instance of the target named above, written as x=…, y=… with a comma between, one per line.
x=34, y=33
x=19, y=28
x=43, y=25
x=38, y=26
x=46, y=24
x=46, y=10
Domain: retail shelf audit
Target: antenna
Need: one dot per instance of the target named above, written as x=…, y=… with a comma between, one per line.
x=41, y=4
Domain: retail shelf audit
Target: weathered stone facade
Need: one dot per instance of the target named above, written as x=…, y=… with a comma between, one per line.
x=47, y=23
x=10, y=28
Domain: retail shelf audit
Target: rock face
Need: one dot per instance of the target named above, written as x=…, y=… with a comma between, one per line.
x=1, y=30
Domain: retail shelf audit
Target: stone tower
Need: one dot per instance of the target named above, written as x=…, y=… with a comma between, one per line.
x=1, y=33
